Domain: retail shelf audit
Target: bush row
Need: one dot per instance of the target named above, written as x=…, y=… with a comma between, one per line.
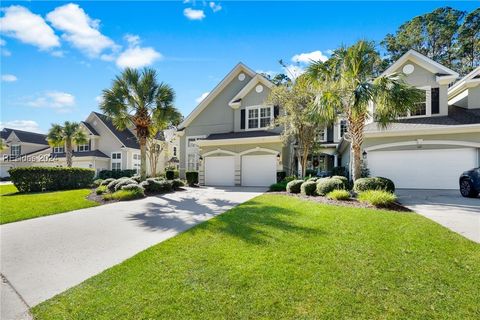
x=35, y=179
x=116, y=174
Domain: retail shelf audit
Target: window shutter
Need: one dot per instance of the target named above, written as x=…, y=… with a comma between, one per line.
x=242, y=119
x=435, y=96
x=276, y=111
x=330, y=134
x=89, y=145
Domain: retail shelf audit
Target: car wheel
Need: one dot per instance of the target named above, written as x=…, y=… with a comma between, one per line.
x=466, y=189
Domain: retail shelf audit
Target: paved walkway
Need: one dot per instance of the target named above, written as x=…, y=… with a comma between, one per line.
x=45, y=256
x=446, y=207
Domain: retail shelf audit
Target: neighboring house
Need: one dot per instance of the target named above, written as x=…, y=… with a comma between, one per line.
x=227, y=138
x=431, y=147
x=107, y=148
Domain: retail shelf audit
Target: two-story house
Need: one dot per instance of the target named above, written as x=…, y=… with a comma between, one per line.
x=431, y=147
x=227, y=138
x=107, y=148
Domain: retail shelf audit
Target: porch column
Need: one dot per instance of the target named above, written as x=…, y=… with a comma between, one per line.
x=335, y=160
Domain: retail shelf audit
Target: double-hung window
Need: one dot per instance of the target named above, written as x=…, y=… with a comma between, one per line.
x=83, y=147
x=60, y=149
x=259, y=117
x=343, y=127
x=136, y=162
x=15, y=150
x=322, y=135
x=116, y=161
x=420, y=107
x=193, y=153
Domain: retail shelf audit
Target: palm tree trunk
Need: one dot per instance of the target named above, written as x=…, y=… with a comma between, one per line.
x=68, y=153
x=143, y=158
x=356, y=161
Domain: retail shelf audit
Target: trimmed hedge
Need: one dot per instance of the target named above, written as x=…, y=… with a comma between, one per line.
x=153, y=185
x=294, y=186
x=170, y=174
x=281, y=175
x=124, y=182
x=177, y=184
x=308, y=188
x=116, y=174
x=327, y=185
x=279, y=186
x=375, y=183
x=192, y=178
x=345, y=181
x=35, y=179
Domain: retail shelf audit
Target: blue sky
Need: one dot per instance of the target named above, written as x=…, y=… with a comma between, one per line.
x=56, y=57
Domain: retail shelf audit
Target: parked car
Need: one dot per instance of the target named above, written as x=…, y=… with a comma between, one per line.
x=470, y=183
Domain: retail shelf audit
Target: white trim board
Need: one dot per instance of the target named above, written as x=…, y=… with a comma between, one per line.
x=249, y=87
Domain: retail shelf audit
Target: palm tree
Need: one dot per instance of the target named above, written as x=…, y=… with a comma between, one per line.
x=137, y=100
x=346, y=85
x=67, y=135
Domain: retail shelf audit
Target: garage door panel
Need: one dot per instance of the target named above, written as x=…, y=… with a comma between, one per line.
x=422, y=169
x=220, y=171
x=259, y=170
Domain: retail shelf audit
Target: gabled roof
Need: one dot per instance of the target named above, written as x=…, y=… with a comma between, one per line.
x=440, y=70
x=92, y=153
x=204, y=103
x=241, y=135
x=237, y=100
x=470, y=80
x=126, y=137
x=90, y=128
x=26, y=136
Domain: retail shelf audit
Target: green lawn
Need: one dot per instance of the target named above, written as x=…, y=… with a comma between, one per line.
x=277, y=257
x=17, y=206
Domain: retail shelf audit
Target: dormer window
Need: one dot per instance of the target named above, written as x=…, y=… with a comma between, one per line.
x=322, y=135
x=259, y=117
x=15, y=150
x=423, y=107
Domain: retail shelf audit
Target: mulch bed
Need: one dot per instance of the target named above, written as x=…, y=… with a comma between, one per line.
x=345, y=203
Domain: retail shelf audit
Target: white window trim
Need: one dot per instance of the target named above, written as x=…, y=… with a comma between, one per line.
x=55, y=149
x=187, y=148
x=247, y=128
x=428, y=104
x=324, y=135
x=85, y=144
x=340, y=128
x=136, y=161
x=116, y=160
x=11, y=149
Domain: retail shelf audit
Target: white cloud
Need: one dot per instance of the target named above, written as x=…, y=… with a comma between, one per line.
x=309, y=57
x=53, y=99
x=99, y=99
x=193, y=14
x=20, y=23
x=132, y=39
x=203, y=96
x=270, y=73
x=58, y=53
x=26, y=125
x=215, y=6
x=80, y=30
x=9, y=78
x=138, y=57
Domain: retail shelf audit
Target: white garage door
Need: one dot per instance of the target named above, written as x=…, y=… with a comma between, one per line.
x=259, y=171
x=422, y=169
x=219, y=171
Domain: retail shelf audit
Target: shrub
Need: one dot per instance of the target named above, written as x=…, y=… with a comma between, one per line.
x=294, y=186
x=116, y=174
x=97, y=182
x=124, y=182
x=338, y=195
x=308, y=188
x=177, y=184
x=340, y=171
x=192, y=178
x=314, y=179
x=281, y=175
x=377, y=198
x=326, y=185
x=154, y=186
x=101, y=190
x=34, y=179
x=124, y=195
x=112, y=186
x=106, y=181
x=170, y=174
x=279, y=186
x=344, y=180
x=137, y=178
x=376, y=183
x=133, y=186
x=289, y=178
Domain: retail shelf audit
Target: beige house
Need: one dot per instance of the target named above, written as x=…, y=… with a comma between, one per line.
x=107, y=148
x=430, y=148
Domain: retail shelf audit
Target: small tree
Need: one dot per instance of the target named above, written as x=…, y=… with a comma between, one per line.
x=346, y=85
x=68, y=135
x=137, y=100
x=296, y=99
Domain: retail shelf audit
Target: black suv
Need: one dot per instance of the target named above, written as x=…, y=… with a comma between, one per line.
x=470, y=183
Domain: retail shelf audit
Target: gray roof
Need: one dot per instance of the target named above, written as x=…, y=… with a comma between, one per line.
x=126, y=136
x=93, y=153
x=456, y=116
x=240, y=135
x=90, y=128
x=26, y=136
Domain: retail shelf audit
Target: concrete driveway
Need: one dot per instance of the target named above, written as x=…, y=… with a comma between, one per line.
x=446, y=207
x=45, y=256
